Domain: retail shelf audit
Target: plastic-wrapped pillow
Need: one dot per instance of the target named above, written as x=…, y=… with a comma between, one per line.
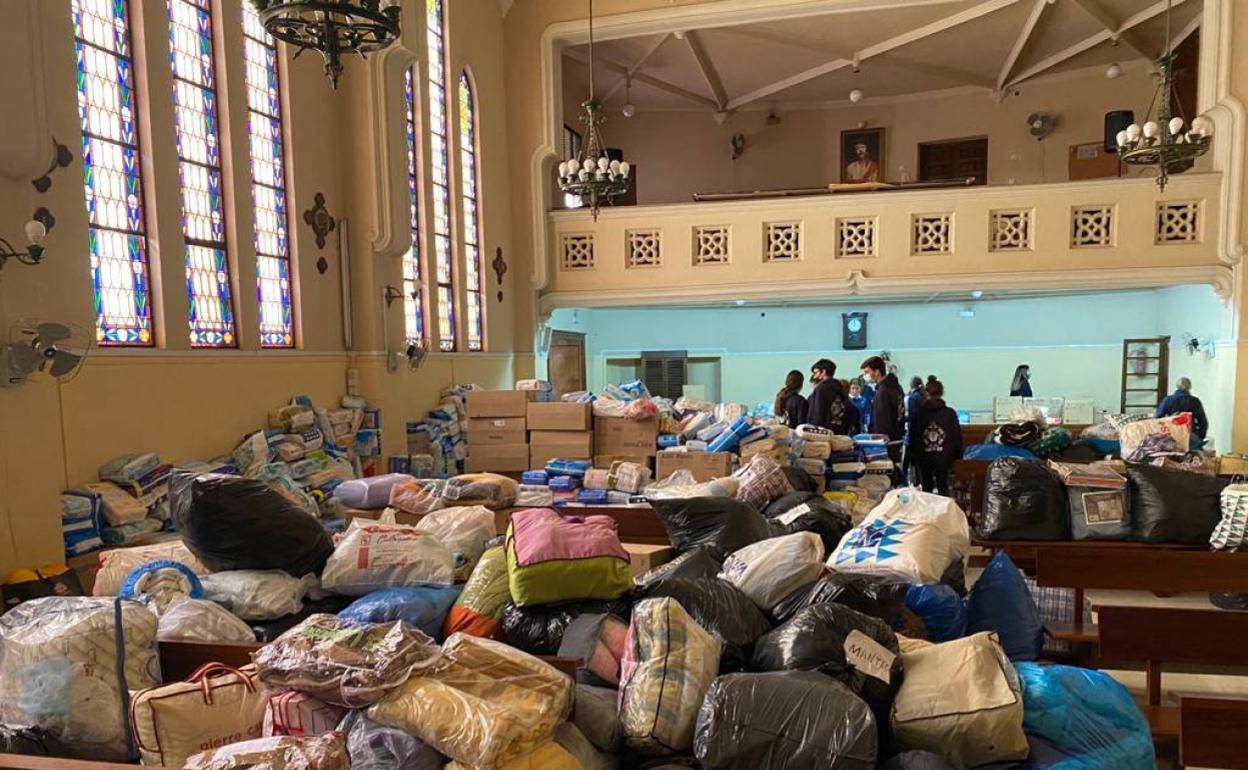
x=488, y=489
x=464, y=531
x=371, y=556
x=201, y=620
x=258, y=594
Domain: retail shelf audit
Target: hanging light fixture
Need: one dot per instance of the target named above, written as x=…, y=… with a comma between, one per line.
x=1167, y=143
x=590, y=173
x=332, y=27
x=629, y=109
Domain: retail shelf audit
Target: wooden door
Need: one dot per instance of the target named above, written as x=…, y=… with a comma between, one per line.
x=566, y=362
x=954, y=159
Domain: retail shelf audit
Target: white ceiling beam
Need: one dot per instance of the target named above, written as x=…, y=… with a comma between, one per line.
x=636, y=66
x=641, y=77
x=883, y=47
x=1112, y=25
x=1020, y=43
x=1152, y=11
x=708, y=68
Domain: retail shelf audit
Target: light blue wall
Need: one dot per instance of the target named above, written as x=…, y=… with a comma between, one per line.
x=1073, y=343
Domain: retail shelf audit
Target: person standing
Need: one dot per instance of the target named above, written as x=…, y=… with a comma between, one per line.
x=854, y=420
x=914, y=400
x=1021, y=384
x=935, y=439
x=861, y=402
x=828, y=405
x=790, y=406
x=1182, y=400
x=888, y=409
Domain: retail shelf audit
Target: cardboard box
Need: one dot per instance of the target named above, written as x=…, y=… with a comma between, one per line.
x=605, y=461
x=644, y=558
x=496, y=430
x=498, y=458
x=558, y=415
x=1090, y=161
x=499, y=403
x=703, y=465
x=618, y=436
x=568, y=444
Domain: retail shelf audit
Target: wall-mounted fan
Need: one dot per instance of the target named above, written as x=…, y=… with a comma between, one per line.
x=56, y=349
x=1041, y=124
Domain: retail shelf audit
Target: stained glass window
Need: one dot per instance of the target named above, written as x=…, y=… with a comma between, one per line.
x=268, y=183
x=439, y=132
x=413, y=309
x=199, y=172
x=113, y=180
x=469, y=181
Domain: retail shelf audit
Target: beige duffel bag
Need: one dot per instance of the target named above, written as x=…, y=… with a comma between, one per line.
x=216, y=706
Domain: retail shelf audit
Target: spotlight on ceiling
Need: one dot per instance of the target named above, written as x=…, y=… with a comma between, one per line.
x=740, y=302
x=855, y=95
x=1113, y=71
x=977, y=294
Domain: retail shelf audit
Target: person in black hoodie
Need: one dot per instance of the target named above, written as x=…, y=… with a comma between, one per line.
x=828, y=405
x=935, y=440
x=790, y=406
x=888, y=407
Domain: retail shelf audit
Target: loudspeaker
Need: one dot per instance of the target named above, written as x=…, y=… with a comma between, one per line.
x=854, y=331
x=1116, y=121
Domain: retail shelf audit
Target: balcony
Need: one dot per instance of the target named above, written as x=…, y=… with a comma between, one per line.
x=1089, y=235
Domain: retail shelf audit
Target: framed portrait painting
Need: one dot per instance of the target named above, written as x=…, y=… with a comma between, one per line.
x=862, y=155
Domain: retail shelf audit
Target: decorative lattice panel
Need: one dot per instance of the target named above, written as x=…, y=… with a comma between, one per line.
x=711, y=245
x=1092, y=226
x=1010, y=230
x=931, y=234
x=644, y=248
x=855, y=237
x=578, y=251
x=783, y=241
x=1178, y=222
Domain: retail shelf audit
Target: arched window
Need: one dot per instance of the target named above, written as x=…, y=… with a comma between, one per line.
x=196, y=119
x=266, y=140
x=413, y=288
x=439, y=144
x=116, y=222
x=469, y=178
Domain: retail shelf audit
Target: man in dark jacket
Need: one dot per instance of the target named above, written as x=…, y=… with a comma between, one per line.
x=828, y=405
x=1181, y=401
x=935, y=440
x=888, y=410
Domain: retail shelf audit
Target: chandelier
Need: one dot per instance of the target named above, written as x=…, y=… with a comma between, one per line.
x=1167, y=143
x=590, y=173
x=333, y=27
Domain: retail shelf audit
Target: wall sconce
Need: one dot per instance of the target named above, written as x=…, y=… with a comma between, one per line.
x=36, y=231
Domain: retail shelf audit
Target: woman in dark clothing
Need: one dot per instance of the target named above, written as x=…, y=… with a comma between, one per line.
x=936, y=440
x=790, y=406
x=1021, y=385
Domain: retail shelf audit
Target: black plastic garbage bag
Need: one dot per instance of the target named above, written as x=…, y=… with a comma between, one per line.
x=808, y=512
x=233, y=523
x=538, y=629
x=722, y=523
x=716, y=605
x=697, y=562
x=799, y=479
x=815, y=639
x=30, y=742
x=784, y=720
x=870, y=596
x=1173, y=506
x=1023, y=500
x=954, y=576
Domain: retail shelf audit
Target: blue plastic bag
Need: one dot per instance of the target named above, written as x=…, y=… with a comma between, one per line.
x=999, y=601
x=1086, y=716
x=422, y=607
x=990, y=452
x=942, y=611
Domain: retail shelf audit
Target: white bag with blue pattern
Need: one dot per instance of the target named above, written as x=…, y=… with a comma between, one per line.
x=911, y=536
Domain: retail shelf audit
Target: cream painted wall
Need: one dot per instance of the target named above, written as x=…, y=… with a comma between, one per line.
x=188, y=404
x=804, y=150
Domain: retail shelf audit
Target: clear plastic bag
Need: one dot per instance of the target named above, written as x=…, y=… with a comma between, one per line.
x=66, y=667
x=371, y=556
x=482, y=703
x=343, y=662
x=201, y=620
x=464, y=531
x=258, y=594
x=417, y=495
x=771, y=569
x=377, y=747
x=116, y=564
x=324, y=752
x=488, y=489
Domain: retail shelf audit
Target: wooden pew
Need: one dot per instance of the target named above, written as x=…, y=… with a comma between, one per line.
x=1024, y=552
x=1161, y=636
x=1213, y=732
x=1159, y=568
